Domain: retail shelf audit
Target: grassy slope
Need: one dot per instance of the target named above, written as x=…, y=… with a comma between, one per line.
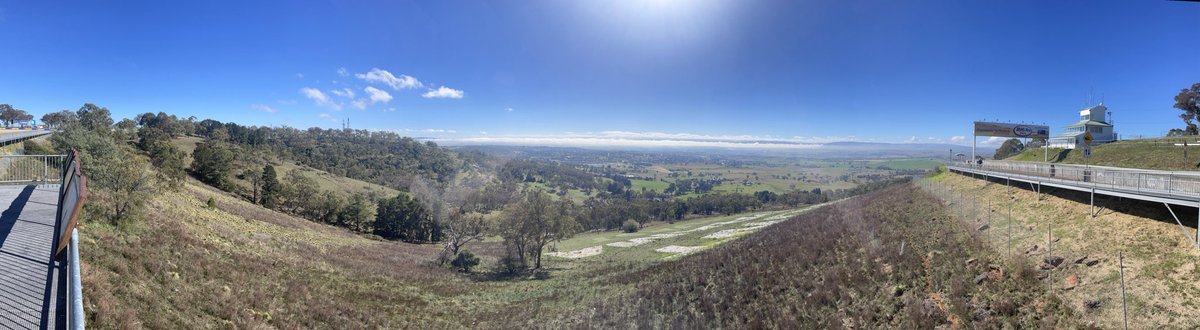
x=324, y=179
x=1150, y=154
x=1161, y=264
x=840, y=266
x=188, y=266
x=239, y=265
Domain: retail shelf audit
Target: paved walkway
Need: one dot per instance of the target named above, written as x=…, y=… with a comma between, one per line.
x=30, y=291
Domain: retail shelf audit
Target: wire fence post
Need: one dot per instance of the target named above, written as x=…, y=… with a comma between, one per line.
x=1010, y=219
x=1124, y=309
x=1050, y=254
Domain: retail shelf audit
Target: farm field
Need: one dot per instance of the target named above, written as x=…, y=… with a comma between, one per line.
x=667, y=240
x=775, y=175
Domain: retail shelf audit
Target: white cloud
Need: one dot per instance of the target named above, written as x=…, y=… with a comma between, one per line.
x=300, y=75
x=361, y=104
x=508, y=109
x=342, y=72
x=263, y=107
x=320, y=98
x=389, y=110
x=443, y=92
x=328, y=117
x=344, y=92
x=994, y=141
x=377, y=75
x=287, y=102
x=912, y=139
x=483, y=133
x=377, y=95
x=958, y=139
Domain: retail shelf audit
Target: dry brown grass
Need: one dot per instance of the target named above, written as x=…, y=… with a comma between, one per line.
x=1160, y=262
x=188, y=266
x=841, y=266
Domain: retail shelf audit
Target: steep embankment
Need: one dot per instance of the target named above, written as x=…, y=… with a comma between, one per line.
x=190, y=266
x=890, y=259
x=1160, y=261
x=1160, y=154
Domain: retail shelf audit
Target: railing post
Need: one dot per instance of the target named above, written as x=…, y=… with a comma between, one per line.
x=76, y=308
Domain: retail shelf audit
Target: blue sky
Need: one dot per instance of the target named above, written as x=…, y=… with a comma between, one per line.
x=534, y=70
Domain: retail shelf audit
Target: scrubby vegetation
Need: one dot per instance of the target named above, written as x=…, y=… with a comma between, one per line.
x=892, y=259
x=228, y=250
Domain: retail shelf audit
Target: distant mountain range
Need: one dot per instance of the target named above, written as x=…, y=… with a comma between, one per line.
x=831, y=150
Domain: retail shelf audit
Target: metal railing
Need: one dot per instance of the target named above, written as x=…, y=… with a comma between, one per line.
x=1175, y=184
x=71, y=194
x=5, y=138
x=25, y=169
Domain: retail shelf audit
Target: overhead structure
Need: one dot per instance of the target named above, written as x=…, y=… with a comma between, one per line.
x=1010, y=130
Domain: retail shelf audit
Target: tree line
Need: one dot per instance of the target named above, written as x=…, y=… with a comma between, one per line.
x=446, y=197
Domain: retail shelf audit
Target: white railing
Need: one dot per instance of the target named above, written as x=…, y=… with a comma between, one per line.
x=25, y=169
x=1176, y=184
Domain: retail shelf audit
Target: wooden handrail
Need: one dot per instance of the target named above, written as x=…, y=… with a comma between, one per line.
x=73, y=182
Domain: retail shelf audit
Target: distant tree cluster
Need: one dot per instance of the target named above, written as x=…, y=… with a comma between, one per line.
x=1009, y=148
x=120, y=178
x=403, y=218
x=556, y=175
x=10, y=115
x=1188, y=101
x=384, y=158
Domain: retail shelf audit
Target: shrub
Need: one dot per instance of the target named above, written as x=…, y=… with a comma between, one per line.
x=34, y=148
x=510, y=265
x=630, y=226
x=212, y=203
x=211, y=163
x=465, y=261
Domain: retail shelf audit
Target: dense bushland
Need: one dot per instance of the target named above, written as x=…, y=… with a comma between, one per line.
x=890, y=259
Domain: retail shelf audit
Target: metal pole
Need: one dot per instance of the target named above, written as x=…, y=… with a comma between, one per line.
x=1050, y=254
x=1010, y=203
x=1124, y=309
x=1092, y=204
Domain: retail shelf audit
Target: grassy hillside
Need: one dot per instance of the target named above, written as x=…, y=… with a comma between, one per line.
x=240, y=266
x=324, y=179
x=1160, y=261
x=1162, y=154
x=891, y=259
